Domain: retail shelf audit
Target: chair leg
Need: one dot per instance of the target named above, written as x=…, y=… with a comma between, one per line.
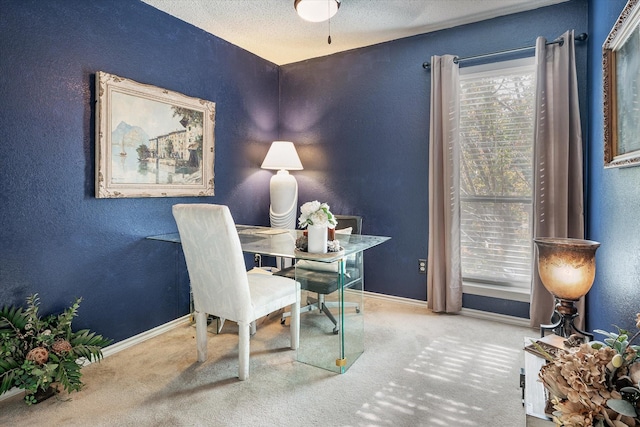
x=243, y=348
x=295, y=324
x=201, y=335
x=253, y=327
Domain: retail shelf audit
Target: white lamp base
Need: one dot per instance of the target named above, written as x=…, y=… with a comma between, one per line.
x=283, y=190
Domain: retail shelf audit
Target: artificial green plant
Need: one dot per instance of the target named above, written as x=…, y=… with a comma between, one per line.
x=38, y=353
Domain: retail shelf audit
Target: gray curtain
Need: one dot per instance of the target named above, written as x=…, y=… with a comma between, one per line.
x=444, y=277
x=558, y=185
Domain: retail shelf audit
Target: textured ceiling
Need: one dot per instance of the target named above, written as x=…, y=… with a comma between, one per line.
x=272, y=30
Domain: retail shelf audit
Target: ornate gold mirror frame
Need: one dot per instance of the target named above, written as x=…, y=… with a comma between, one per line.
x=621, y=78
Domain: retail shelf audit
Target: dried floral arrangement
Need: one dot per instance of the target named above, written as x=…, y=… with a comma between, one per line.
x=596, y=383
x=302, y=244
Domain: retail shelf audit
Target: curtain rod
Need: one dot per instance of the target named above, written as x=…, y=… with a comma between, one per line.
x=579, y=38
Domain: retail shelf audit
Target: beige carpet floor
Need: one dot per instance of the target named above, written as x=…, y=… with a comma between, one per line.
x=418, y=369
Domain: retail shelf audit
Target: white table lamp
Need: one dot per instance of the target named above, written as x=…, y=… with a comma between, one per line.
x=283, y=188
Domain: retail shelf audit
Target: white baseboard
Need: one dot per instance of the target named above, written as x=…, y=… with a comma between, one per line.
x=12, y=392
x=478, y=314
x=402, y=300
x=143, y=336
x=122, y=345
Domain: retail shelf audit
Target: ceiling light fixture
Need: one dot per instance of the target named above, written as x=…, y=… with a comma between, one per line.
x=316, y=10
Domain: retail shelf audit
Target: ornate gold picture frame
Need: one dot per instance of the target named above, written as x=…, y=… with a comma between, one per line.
x=151, y=142
x=621, y=78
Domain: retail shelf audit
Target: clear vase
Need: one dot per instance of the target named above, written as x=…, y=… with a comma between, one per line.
x=317, y=239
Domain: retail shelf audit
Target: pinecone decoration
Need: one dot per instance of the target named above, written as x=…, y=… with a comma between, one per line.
x=61, y=346
x=40, y=355
x=302, y=243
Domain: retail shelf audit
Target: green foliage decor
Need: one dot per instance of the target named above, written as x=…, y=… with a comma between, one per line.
x=38, y=353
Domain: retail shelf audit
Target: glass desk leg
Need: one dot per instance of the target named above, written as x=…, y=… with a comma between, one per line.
x=351, y=309
x=323, y=344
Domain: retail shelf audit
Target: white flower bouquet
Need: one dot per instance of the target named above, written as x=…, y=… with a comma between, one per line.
x=316, y=213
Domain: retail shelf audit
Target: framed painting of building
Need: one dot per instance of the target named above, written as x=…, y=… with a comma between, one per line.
x=621, y=94
x=151, y=142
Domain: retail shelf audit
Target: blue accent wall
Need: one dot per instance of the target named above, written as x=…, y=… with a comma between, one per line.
x=360, y=120
x=614, y=200
x=56, y=238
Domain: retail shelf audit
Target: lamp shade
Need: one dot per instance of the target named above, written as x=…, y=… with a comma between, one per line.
x=316, y=10
x=282, y=155
x=567, y=267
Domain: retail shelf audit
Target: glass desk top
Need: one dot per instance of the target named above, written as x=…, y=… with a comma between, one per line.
x=281, y=243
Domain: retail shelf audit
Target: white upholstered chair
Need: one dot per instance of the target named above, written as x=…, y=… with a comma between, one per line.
x=220, y=283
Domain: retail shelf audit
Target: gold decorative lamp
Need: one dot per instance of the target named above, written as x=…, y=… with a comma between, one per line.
x=567, y=268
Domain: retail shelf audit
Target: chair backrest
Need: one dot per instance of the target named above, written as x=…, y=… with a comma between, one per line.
x=214, y=259
x=353, y=221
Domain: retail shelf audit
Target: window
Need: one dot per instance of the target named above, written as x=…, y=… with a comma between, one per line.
x=496, y=172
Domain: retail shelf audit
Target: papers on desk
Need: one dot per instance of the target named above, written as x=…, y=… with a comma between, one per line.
x=550, y=344
x=272, y=231
x=265, y=231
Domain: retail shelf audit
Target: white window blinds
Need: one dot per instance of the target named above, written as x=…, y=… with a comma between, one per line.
x=496, y=129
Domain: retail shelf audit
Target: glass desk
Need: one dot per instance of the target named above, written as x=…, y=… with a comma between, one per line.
x=319, y=345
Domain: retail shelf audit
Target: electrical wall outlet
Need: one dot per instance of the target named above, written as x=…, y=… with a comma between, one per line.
x=422, y=266
x=257, y=260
